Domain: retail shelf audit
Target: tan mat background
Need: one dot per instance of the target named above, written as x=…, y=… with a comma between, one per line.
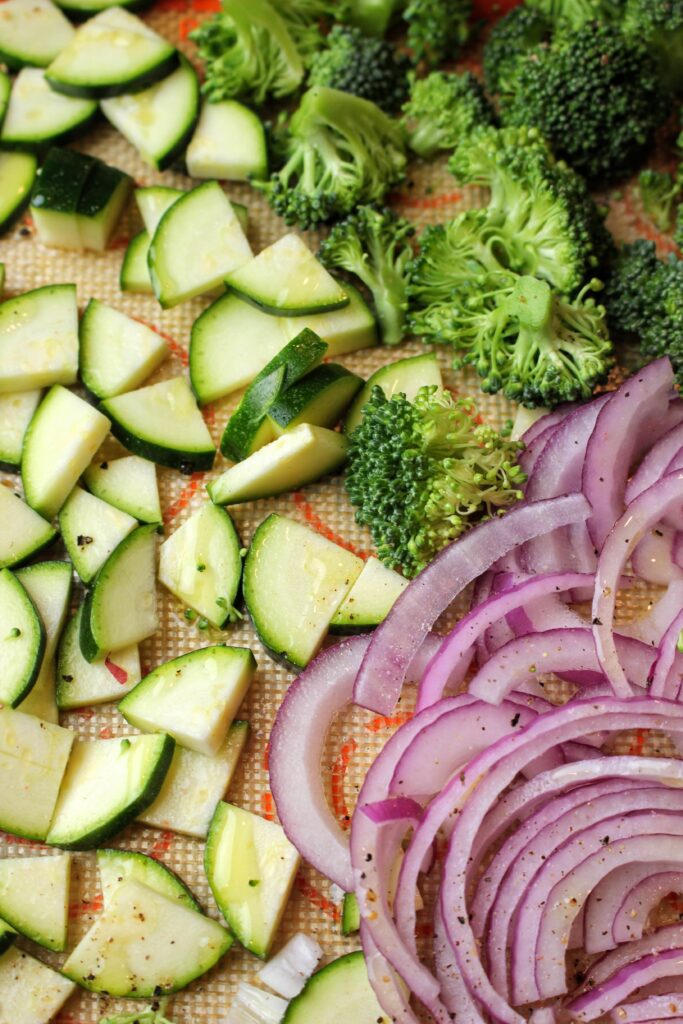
x=429, y=195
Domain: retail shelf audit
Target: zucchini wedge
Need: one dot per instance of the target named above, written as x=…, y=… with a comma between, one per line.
x=134, y=276
x=32, y=32
x=17, y=177
x=16, y=412
x=129, y=483
x=91, y=530
x=48, y=584
x=22, y=640
x=337, y=993
x=37, y=115
x=117, y=353
x=229, y=143
x=24, y=532
x=38, y=335
x=34, y=897
x=115, y=866
x=81, y=683
x=31, y=991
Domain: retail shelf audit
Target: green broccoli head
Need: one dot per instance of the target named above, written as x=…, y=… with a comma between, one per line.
x=364, y=66
x=247, y=51
x=659, y=23
x=644, y=300
x=421, y=473
x=340, y=151
x=443, y=109
x=522, y=29
x=305, y=20
x=659, y=194
x=437, y=28
x=375, y=245
x=578, y=12
x=594, y=94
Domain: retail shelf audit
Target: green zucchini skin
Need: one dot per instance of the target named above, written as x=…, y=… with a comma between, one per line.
x=104, y=92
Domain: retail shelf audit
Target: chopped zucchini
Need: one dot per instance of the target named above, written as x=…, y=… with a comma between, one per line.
x=37, y=115
x=57, y=193
x=153, y=201
x=22, y=640
x=251, y=867
x=91, y=530
x=405, y=376
x=32, y=32
x=32, y=993
x=134, y=276
x=23, y=533
x=369, y=600
x=81, y=683
x=201, y=563
x=102, y=200
x=17, y=176
x=345, y=330
x=350, y=922
x=319, y=398
x=337, y=993
x=115, y=866
x=34, y=898
x=117, y=353
x=48, y=584
x=16, y=412
x=39, y=338
x=129, y=483
x=229, y=143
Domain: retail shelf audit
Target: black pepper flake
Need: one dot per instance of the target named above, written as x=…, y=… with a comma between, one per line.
x=515, y=720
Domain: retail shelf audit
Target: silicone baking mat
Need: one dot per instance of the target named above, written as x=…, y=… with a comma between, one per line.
x=429, y=195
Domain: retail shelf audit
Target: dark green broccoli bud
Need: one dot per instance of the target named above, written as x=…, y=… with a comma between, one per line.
x=644, y=299
x=512, y=37
x=364, y=66
x=523, y=339
x=443, y=109
x=340, y=150
x=659, y=194
x=421, y=473
x=594, y=94
x=437, y=28
x=247, y=51
x=578, y=12
x=659, y=24
x=375, y=246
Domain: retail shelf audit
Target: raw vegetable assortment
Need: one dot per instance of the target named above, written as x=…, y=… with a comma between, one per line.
x=542, y=855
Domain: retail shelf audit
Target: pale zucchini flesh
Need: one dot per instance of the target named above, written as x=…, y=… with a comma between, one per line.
x=153, y=201
x=16, y=412
x=34, y=897
x=106, y=785
x=48, y=584
x=117, y=353
x=91, y=530
x=116, y=866
x=405, y=376
x=193, y=698
x=370, y=599
x=60, y=443
x=22, y=640
x=37, y=115
x=194, y=785
x=39, y=336
x=339, y=992
x=229, y=143
x=33, y=759
x=30, y=992
x=23, y=533
x=201, y=564
x=251, y=867
x=134, y=276
x=345, y=330
x=32, y=32
x=129, y=483
x=319, y=399
x=146, y=945
x=292, y=613
x=81, y=683
x=17, y=175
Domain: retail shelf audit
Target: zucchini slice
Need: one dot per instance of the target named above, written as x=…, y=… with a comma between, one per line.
x=350, y=921
x=134, y=276
x=201, y=563
x=115, y=866
x=100, y=205
x=160, y=120
x=405, y=376
x=16, y=412
x=153, y=201
x=292, y=611
x=129, y=483
x=54, y=203
x=33, y=759
x=193, y=698
x=319, y=398
x=60, y=443
x=251, y=867
x=32, y=32
x=23, y=533
x=339, y=992
x=248, y=429
x=37, y=115
x=117, y=353
x=121, y=607
x=5, y=90
x=107, y=783
x=198, y=241
x=80, y=683
x=39, y=338
x=34, y=897
x=194, y=785
x=297, y=458
x=229, y=143
x=110, y=54
x=79, y=10
x=146, y=945
x=48, y=584
x=162, y=423
x=32, y=993
x=369, y=600
x=17, y=175
x=22, y=640
x=91, y=530
x=345, y=330
x=286, y=279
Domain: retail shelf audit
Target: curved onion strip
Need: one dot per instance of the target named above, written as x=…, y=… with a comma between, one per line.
x=666, y=682
x=450, y=664
x=651, y=627
x=640, y=515
x=669, y=937
x=653, y=556
x=454, y=994
x=626, y=428
x=620, y=986
x=546, y=422
x=393, y=809
x=398, y=638
x=389, y=989
x=640, y=900
x=653, y=1008
x=656, y=463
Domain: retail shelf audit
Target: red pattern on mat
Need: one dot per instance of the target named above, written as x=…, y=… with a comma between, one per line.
x=162, y=845
x=315, y=897
x=313, y=520
x=20, y=841
x=267, y=806
x=415, y=202
x=183, y=499
x=175, y=347
x=383, y=722
x=339, y=769
x=83, y=907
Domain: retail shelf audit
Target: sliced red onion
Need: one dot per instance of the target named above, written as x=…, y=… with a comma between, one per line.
x=651, y=627
x=665, y=681
x=449, y=666
x=390, y=991
x=632, y=913
x=669, y=937
x=653, y=557
x=643, y=512
x=396, y=641
x=288, y=971
x=454, y=994
x=398, y=808
x=546, y=422
x=626, y=427
x=615, y=990
x=655, y=463
x=653, y=1008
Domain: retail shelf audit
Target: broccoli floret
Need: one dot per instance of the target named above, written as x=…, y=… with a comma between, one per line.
x=659, y=194
x=154, y=1014
x=421, y=473
x=442, y=109
x=512, y=37
x=644, y=300
x=659, y=23
x=594, y=94
x=375, y=246
x=247, y=50
x=364, y=66
x=340, y=151
x=578, y=12
x=540, y=211
x=523, y=339
x=305, y=20
x=437, y=28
